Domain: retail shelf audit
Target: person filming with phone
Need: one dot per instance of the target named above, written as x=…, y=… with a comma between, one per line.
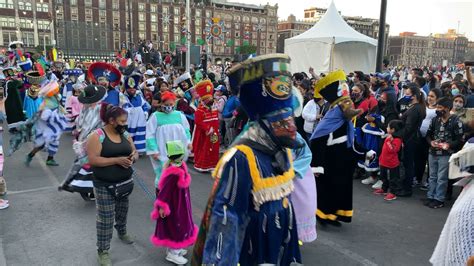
x=111, y=154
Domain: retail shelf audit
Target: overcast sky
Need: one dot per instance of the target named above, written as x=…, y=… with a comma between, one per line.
x=421, y=16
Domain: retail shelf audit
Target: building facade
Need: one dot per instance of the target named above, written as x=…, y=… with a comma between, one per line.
x=98, y=28
x=28, y=21
x=411, y=50
x=292, y=27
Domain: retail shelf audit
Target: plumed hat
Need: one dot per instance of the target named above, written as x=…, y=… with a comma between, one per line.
x=132, y=81
x=100, y=70
x=204, y=89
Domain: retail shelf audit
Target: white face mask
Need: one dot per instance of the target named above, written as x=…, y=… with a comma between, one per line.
x=458, y=106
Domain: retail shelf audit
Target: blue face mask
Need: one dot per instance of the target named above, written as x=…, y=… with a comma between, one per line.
x=455, y=91
x=407, y=98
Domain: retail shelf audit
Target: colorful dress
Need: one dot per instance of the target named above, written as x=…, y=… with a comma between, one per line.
x=161, y=128
x=137, y=109
x=304, y=196
x=206, y=138
x=49, y=127
x=176, y=230
x=249, y=218
x=31, y=106
x=73, y=108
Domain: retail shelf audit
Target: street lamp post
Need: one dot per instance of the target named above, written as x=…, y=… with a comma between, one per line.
x=381, y=39
x=188, y=38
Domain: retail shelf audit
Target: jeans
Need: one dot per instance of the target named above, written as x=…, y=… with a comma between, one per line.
x=421, y=159
x=438, y=181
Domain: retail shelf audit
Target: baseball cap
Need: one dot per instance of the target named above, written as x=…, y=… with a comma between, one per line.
x=149, y=72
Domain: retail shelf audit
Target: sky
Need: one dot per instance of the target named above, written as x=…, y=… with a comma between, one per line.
x=420, y=16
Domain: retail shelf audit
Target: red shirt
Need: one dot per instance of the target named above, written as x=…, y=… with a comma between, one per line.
x=389, y=156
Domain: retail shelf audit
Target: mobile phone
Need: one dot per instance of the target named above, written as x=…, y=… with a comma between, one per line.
x=469, y=63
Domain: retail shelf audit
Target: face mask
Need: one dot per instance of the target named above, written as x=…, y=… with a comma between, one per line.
x=455, y=91
x=440, y=113
x=210, y=103
x=168, y=109
x=408, y=98
x=121, y=129
x=458, y=106
x=355, y=96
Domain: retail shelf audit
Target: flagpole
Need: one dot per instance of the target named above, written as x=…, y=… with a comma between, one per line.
x=188, y=37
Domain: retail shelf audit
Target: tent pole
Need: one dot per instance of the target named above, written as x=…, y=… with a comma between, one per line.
x=381, y=39
x=331, y=62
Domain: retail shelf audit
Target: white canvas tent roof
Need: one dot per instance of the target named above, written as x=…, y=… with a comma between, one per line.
x=331, y=44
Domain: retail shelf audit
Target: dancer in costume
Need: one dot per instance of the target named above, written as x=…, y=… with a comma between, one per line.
x=73, y=106
x=206, y=129
x=32, y=100
x=249, y=218
x=13, y=103
x=164, y=126
x=79, y=178
x=50, y=124
x=137, y=108
x=175, y=228
x=332, y=146
x=67, y=89
x=108, y=76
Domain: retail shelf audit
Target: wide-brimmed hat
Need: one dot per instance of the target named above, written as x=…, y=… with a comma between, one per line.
x=92, y=94
x=34, y=78
x=104, y=70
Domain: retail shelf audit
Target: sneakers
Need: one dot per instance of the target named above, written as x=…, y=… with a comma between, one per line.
x=436, y=204
x=28, y=160
x=4, y=204
x=104, y=258
x=424, y=187
x=390, y=196
x=369, y=180
x=379, y=191
x=176, y=257
x=51, y=162
x=415, y=183
x=378, y=184
x=127, y=239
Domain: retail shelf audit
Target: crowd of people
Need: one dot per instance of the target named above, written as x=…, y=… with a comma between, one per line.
x=273, y=140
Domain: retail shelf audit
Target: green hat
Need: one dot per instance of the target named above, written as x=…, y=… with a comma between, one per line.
x=175, y=148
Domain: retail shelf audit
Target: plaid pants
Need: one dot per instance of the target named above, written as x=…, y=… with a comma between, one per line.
x=109, y=209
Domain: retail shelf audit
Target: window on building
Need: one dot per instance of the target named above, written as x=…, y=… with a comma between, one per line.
x=246, y=19
x=102, y=4
x=102, y=13
x=197, y=22
x=153, y=8
x=141, y=26
x=141, y=35
x=74, y=15
x=154, y=27
x=3, y=22
x=176, y=38
x=6, y=4
x=8, y=36
x=59, y=1
x=88, y=2
x=141, y=7
x=73, y=2
x=153, y=18
x=141, y=16
x=176, y=29
x=198, y=13
x=208, y=14
x=154, y=37
x=176, y=11
x=21, y=5
x=165, y=27
x=115, y=5
x=41, y=7
x=198, y=30
x=165, y=10
x=176, y=20
x=28, y=38
x=26, y=23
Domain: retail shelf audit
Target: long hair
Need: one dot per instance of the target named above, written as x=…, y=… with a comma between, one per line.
x=108, y=111
x=416, y=92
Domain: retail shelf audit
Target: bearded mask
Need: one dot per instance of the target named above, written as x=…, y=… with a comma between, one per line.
x=347, y=107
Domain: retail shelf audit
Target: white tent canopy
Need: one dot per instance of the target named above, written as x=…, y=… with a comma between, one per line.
x=331, y=44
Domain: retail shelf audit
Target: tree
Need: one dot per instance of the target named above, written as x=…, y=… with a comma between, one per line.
x=248, y=49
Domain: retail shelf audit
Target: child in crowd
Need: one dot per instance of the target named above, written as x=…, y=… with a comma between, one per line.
x=372, y=134
x=175, y=228
x=389, y=162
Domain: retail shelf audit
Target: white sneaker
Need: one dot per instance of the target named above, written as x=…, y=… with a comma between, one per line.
x=176, y=258
x=4, y=204
x=369, y=180
x=183, y=252
x=378, y=184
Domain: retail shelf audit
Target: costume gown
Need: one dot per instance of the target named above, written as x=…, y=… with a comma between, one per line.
x=137, y=109
x=206, y=138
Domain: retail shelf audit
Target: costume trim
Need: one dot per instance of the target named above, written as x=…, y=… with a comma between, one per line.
x=331, y=141
x=372, y=132
x=317, y=170
x=328, y=79
x=268, y=188
x=161, y=204
x=184, y=179
x=173, y=244
x=345, y=213
x=324, y=216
